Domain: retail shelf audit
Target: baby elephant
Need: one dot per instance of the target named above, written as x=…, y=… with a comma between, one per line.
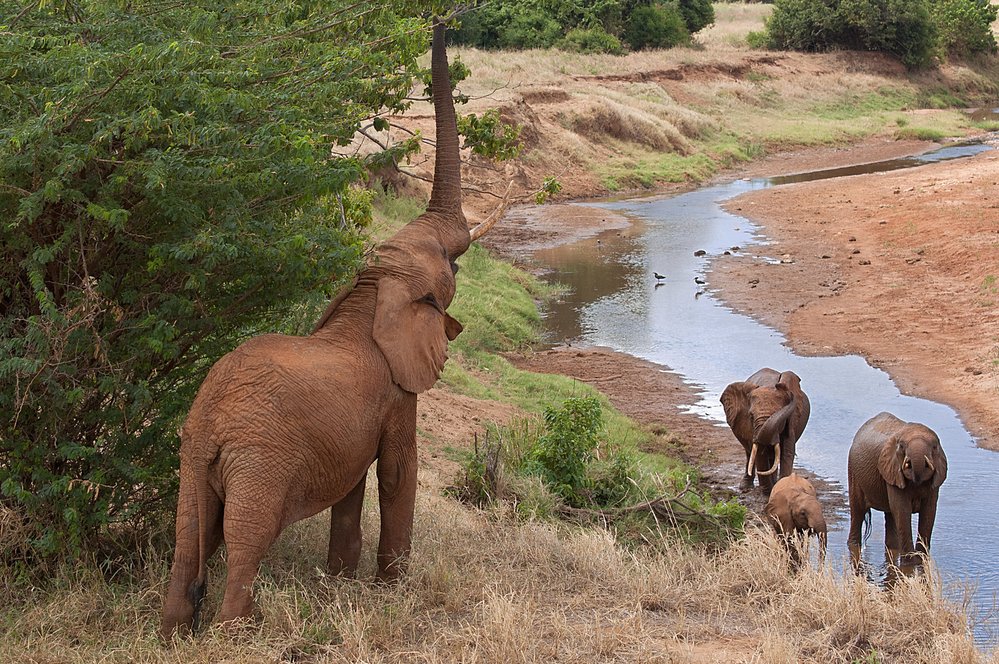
x=896, y=467
x=794, y=511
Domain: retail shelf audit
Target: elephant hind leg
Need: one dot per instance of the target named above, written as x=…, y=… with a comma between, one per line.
x=251, y=525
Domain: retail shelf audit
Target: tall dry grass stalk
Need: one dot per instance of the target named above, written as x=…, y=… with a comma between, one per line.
x=483, y=587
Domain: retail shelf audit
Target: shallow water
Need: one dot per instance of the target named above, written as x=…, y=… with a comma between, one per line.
x=616, y=302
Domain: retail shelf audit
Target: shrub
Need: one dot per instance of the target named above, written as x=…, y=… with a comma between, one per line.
x=529, y=29
x=656, y=26
x=964, y=27
x=697, y=14
x=902, y=28
x=563, y=451
x=168, y=189
x=591, y=40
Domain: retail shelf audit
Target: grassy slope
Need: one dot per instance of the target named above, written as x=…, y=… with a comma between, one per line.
x=483, y=587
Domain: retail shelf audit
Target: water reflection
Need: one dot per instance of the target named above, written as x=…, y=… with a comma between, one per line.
x=617, y=302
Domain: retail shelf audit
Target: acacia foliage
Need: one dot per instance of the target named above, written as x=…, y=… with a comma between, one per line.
x=167, y=187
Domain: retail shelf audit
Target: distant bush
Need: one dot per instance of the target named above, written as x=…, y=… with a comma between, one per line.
x=591, y=40
x=914, y=31
x=655, y=26
x=902, y=28
x=585, y=26
x=697, y=14
x=964, y=27
x=529, y=30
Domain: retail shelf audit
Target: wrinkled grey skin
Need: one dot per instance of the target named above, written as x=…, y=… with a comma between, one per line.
x=284, y=427
x=794, y=512
x=767, y=409
x=896, y=467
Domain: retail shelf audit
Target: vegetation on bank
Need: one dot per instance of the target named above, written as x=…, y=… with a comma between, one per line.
x=584, y=26
x=914, y=31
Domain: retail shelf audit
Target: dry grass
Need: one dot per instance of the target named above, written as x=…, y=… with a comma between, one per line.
x=486, y=588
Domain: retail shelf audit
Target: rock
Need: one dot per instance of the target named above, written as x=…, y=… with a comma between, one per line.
x=852, y=239
x=855, y=251
x=736, y=248
x=825, y=256
x=865, y=262
x=726, y=253
x=700, y=252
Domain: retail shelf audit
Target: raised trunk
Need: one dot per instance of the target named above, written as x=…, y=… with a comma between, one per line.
x=445, y=198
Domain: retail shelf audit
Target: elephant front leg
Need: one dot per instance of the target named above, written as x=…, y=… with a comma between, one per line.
x=748, y=471
x=927, y=515
x=901, y=512
x=787, y=458
x=396, y=499
x=345, y=532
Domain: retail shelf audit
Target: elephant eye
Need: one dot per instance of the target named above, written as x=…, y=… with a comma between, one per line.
x=431, y=299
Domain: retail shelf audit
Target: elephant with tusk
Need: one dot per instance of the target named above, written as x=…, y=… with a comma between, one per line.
x=767, y=413
x=897, y=468
x=284, y=427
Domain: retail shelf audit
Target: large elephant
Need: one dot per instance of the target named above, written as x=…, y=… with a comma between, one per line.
x=767, y=413
x=284, y=427
x=896, y=467
x=793, y=511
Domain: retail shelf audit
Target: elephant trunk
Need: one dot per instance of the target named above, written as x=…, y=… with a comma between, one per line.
x=775, y=424
x=445, y=197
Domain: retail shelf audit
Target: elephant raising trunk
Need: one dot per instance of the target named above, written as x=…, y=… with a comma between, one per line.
x=767, y=413
x=284, y=427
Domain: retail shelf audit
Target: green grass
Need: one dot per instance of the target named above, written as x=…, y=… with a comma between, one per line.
x=921, y=134
x=648, y=169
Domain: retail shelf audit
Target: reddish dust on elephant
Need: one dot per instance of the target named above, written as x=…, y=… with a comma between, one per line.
x=284, y=427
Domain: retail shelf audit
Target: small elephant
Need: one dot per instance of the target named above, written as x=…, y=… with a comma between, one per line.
x=896, y=467
x=794, y=511
x=767, y=413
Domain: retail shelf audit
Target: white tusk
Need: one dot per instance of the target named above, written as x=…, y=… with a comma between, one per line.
x=752, y=460
x=776, y=462
x=929, y=463
x=491, y=220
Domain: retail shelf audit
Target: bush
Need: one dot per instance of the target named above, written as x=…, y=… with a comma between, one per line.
x=964, y=27
x=168, y=189
x=697, y=14
x=656, y=26
x=531, y=29
x=563, y=451
x=591, y=40
x=902, y=28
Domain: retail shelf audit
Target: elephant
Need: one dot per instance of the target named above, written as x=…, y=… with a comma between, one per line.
x=793, y=510
x=896, y=467
x=284, y=427
x=767, y=413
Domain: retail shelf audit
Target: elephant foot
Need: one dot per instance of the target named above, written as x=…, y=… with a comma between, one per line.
x=747, y=484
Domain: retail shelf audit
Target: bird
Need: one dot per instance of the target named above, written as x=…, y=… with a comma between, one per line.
x=659, y=277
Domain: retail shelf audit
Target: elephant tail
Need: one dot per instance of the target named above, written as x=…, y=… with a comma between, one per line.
x=202, y=495
x=867, y=527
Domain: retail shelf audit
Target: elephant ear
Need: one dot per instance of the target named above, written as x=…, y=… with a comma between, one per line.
x=778, y=512
x=412, y=333
x=735, y=401
x=890, y=462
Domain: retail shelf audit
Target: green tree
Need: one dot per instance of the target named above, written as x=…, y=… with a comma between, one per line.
x=167, y=187
x=655, y=26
